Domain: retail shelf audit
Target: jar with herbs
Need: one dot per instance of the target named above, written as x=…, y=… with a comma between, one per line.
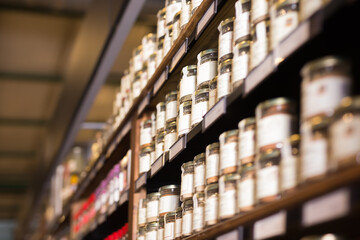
x=187, y=219
x=198, y=210
x=240, y=65
x=199, y=172
x=161, y=228
x=229, y=151
x=169, y=199
x=159, y=144
x=212, y=163
x=247, y=131
x=206, y=67
x=145, y=133
x=171, y=106
x=187, y=81
x=160, y=117
x=242, y=21
x=184, y=118
x=213, y=92
x=161, y=15
x=169, y=233
x=178, y=223
x=211, y=204
x=187, y=180
x=228, y=195
x=224, y=79
x=170, y=136
x=152, y=206
x=290, y=163
x=226, y=39
x=151, y=231
x=142, y=212
x=200, y=105
x=246, y=187
x=259, y=47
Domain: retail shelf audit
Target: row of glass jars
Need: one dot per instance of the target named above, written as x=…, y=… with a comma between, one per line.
x=121, y=234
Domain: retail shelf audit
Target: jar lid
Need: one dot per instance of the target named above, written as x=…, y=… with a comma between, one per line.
x=207, y=51
x=187, y=103
x=275, y=101
x=170, y=125
x=169, y=27
x=204, y=85
x=141, y=230
x=295, y=138
x=212, y=187
x=319, y=122
x=185, y=70
x=199, y=157
x=328, y=236
x=226, y=21
x=144, y=67
x=187, y=164
x=161, y=12
x=245, y=1
x=160, y=134
x=160, y=105
x=200, y=91
x=186, y=98
x=187, y=203
x=177, y=16
x=231, y=177
x=225, y=63
x=161, y=41
x=325, y=62
x=212, y=146
x=265, y=18
x=230, y=133
x=214, y=80
x=178, y=210
x=152, y=56
x=170, y=215
x=199, y=195
x=138, y=49
x=246, y=122
x=170, y=94
x=148, y=149
x=150, y=36
x=243, y=44
x=270, y=153
x=169, y=187
x=138, y=74
x=348, y=104
x=250, y=166
x=284, y=3
x=147, y=121
x=152, y=195
x=161, y=220
x=152, y=225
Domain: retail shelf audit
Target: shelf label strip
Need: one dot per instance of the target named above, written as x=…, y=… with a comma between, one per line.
x=325, y=208
x=141, y=181
x=274, y=225
x=160, y=81
x=204, y=21
x=234, y=234
x=124, y=197
x=144, y=103
x=177, y=147
x=215, y=113
x=157, y=165
x=179, y=55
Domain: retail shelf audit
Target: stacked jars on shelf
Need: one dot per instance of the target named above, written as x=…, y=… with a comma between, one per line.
x=84, y=218
x=121, y=234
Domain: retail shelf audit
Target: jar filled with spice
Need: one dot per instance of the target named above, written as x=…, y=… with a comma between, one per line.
x=159, y=144
x=160, y=51
x=178, y=223
x=141, y=233
x=169, y=233
x=224, y=79
x=160, y=117
x=211, y=204
x=171, y=106
x=185, y=12
x=212, y=163
x=176, y=27
x=240, y=65
x=184, y=118
x=187, y=219
x=247, y=131
x=136, y=86
x=143, y=76
x=160, y=30
x=326, y=81
x=145, y=133
x=145, y=159
x=229, y=151
x=151, y=231
x=198, y=210
x=168, y=38
x=187, y=81
x=151, y=63
x=206, y=66
x=290, y=154
x=199, y=172
x=138, y=58
x=142, y=212
x=246, y=187
x=344, y=133
x=187, y=180
x=161, y=228
x=200, y=105
x=213, y=92
x=228, y=196
x=172, y=7
x=259, y=47
x=242, y=21
x=259, y=9
x=149, y=45
x=152, y=206
x=170, y=136
x=226, y=39
x=169, y=199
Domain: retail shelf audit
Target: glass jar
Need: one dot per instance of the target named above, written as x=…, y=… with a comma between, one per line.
x=229, y=151
x=187, y=220
x=309, y=7
x=151, y=63
x=149, y=45
x=172, y=7
x=153, y=127
x=171, y=106
x=169, y=233
x=170, y=136
x=326, y=81
x=160, y=117
x=200, y=105
x=151, y=231
x=228, y=199
x=199, y=172
x=259, y=9
x=176, y=27
x=187, y=81
x=268, y=175
x=344, y=133
x=199, y=210
x=315, y=162
x=211, y=204
x=225, y=39
x=290, y=154
x=169, y=199
x=284, y=20
x=145, y=133
x=143, y=76
x=161, y=228
x=168, y=39
x=161, y=15
x=187, y=180
x=145, y=159
x=152, y=206
x=247, y=130
x=184, y=118
x=328, y=236
x=242, y=21
x=213, y=92
x=178, y=223
x=141, y=233
x=259, y=47
x=246, y=187
x=224, y=79
x=275, y=122
x=159, y=144
x=185, y=12
x=212, y=163
x=160, y=51
x=136, y=85
x=142, y=212
x=194, y=5
x=240, y=66
x=206, y=66
x=138, y=58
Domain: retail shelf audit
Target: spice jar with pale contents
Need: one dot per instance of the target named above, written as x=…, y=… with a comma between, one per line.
x=151, y=231
x=187, y=81
x=212, y=163
x=206, y=67
x=259, y=9
x=160, y=51
x=290, y=161
x=160, y=30
x=242, y=21
x=160, y=117
x=136, y=86
x=228, y=196
x=326, y=81
x=200, y=105
x=145, y=133
x=240, y=65
x=268, y=175
x=224, y=79
x=247, y=131
x=172, y=7
x=259, y=47
x=159, y=144
x=178, y=223
x=199, y=172
x=168, y=38
x=161, y=228
x=213, y=92
x=171, y=106
x=344, y=133
x=142, y=212
x=185, y=12
x=152, y=206
x=187, y=180
x=170, y=136
x=246, y=187
x=176, y=27
x=229, y=151
x=149, y=45
x=187, y=219
x=138, y=58
x=225, y=39
x=275, y=122
x=169, y=199
x=211, y=204
x=198, y=210
x=184, y=118
x=169, y=232
x=145, y=159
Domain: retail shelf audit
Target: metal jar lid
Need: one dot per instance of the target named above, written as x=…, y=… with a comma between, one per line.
x=348, y=104
x=145, y=150
x=325, y=62
x=152, y=57
x=187, y=164
x=226, y=21
x=200, y=195
x=225, y=64
x=151, y=196
x=265, y=18
x=229, y=133
x=328, y=236
x=283, y=3
x=187, y=103
x=200, y=157
x=243, y=44
x=179, y=212
x=138, y=74
x=170, y=94
x=161, y=12
x=208, y=51
x=294, y=139
x=273, y=102
x=185, y=70
x=231, y=177
x=170, y=215
x=319, y=123
x=152, y=226
x=141, y=230
x=170, y=125
x=186, y=99
x=138, y=50
x=246, y=122
x=160, y=134
x=169, y=187
x=212, y=187
x=160, y=106
x=177, y=16
x=150, y=36
x=188, y=203
x=201, y=91
x=212, y=146
x=270, y=153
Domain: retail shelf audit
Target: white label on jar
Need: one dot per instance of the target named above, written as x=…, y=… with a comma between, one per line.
x=151, y=67
x=198, y=218
x=160, y=28
x=227, y=203
x=136, y=88
x=259, y=48
x=178, y=226
x=160, y=120
x=211, y=209
x=171, y=10
x=326, y=93
x=198, y=111
x=246, y=193
x=283, y=25
x=138, y=62
x=345, y=138
x=241, y=25
x=187, y=223
x=176, y=31
x=187, y=183
x=212, y=165
x=240, y=67
x=160, y=234
x=228, y=155
x=223, y=85
x=168, y=203
x=171, y=110
x=225, y=43
x=145, y=136
x=187, y=85
x=159, y=149
x=169, y=231
x=308, y=7
x=268, y=181
x=152, y=209
x=314, y=157
x=184, y=121
x=159, y=56
x=246, y=144
x=199, y=175
x=185, y=12
x=206, y=72
x=288, y=168
x=144, y=163
x=142, y=216
x=141, y=238
x=273, y=129
x=259, y=9
x=170, y=139
x=167, y=44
